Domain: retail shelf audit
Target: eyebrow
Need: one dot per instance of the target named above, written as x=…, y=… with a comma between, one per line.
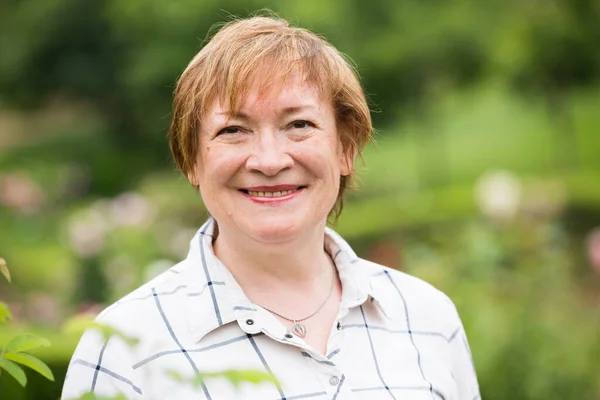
x=284, y=111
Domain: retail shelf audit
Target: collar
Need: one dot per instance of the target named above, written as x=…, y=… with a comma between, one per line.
x=214, y=298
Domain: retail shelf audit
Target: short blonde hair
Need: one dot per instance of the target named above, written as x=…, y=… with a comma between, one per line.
x=266, y=50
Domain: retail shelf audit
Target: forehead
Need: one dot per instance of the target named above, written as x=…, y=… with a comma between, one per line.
x=288, y=96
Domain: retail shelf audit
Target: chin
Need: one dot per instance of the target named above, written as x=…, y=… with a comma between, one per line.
x=277, y=230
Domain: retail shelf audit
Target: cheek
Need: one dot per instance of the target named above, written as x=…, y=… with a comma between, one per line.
x=205, y=166
x=322, y=160
x=219, y=163
x=210, y=159
x=205, y=150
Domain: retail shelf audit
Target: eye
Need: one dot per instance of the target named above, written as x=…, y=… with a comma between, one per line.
x=302, y=124
x=229, y=130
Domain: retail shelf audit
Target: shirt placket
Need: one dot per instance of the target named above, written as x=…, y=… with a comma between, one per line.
x=330, y=375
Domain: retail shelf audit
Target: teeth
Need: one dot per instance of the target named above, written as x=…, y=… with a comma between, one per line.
x=270, y=194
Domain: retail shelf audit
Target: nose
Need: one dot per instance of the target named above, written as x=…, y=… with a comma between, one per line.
x=269, y=154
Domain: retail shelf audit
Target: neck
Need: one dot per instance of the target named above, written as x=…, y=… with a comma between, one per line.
x=301, y=264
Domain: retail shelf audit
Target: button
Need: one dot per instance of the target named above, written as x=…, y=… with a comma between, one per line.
x=339, y=326
x=249, y=322
x=334, y=380
x=288, y=336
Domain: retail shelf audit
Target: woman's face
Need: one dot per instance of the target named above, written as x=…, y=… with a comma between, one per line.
x=272, y=171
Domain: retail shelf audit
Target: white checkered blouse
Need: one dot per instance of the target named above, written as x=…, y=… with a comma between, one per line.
x=397, y=337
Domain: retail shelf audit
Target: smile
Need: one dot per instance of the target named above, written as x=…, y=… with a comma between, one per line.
x=270, y=194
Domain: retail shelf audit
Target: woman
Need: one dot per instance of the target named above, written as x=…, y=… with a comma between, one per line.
x=267, y=122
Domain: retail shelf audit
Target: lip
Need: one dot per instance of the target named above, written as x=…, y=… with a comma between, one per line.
x=274, y=188
x=273, y=200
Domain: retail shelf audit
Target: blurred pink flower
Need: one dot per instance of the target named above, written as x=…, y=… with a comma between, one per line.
x=131, y=209
x=42, y=308
x=386, y=253
x=87, y=231
x=122, y=273
x=176, y=240
x=90, y=309
x=22, y=193
x=593, y=249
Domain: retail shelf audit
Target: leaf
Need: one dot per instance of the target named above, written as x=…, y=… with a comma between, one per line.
x=92, y=396
x=234, y=376
x=88, y=396
x=176, y=376
x=32, y=362
x=117, y=397
x=78, y=324
x=196, y=381
x=4, y=269
x=14, y=370
x=25, y=342
x=4, y=312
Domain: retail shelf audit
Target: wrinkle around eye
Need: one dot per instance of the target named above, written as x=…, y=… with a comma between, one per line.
x=305, y=124
x=230, y=134
x=229, y=130
x=299, y=134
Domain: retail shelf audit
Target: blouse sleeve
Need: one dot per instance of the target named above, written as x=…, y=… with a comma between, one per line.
x=463, y=368
x=100, y=366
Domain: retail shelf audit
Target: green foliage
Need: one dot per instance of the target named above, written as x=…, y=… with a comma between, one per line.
x=5, y=314
x=4, y=269
x=29, y=361
x=525, y=309
x=235, y=377
x=25, y=342
x=14, y=370
x=78, y=324
x=15, y=351
x=92, y=396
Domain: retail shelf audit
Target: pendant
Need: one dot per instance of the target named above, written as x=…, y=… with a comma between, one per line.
x=299, y=330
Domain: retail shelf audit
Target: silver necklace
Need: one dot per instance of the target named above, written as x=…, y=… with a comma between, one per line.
x=299, y=329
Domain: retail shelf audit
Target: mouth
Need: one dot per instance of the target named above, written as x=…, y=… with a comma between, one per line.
x=280, y=192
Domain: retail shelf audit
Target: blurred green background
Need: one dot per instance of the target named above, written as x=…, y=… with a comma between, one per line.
x=485, y=180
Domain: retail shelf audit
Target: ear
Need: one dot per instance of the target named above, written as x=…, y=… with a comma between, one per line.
x=192, y=178
x=346, y=160
x=192, y=175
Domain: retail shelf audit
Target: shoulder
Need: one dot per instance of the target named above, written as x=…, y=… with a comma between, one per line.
x=104, y=358
x=406, y=285
x=403, y=293
x=136, y=312
x=413, y=299
x=137, y=316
